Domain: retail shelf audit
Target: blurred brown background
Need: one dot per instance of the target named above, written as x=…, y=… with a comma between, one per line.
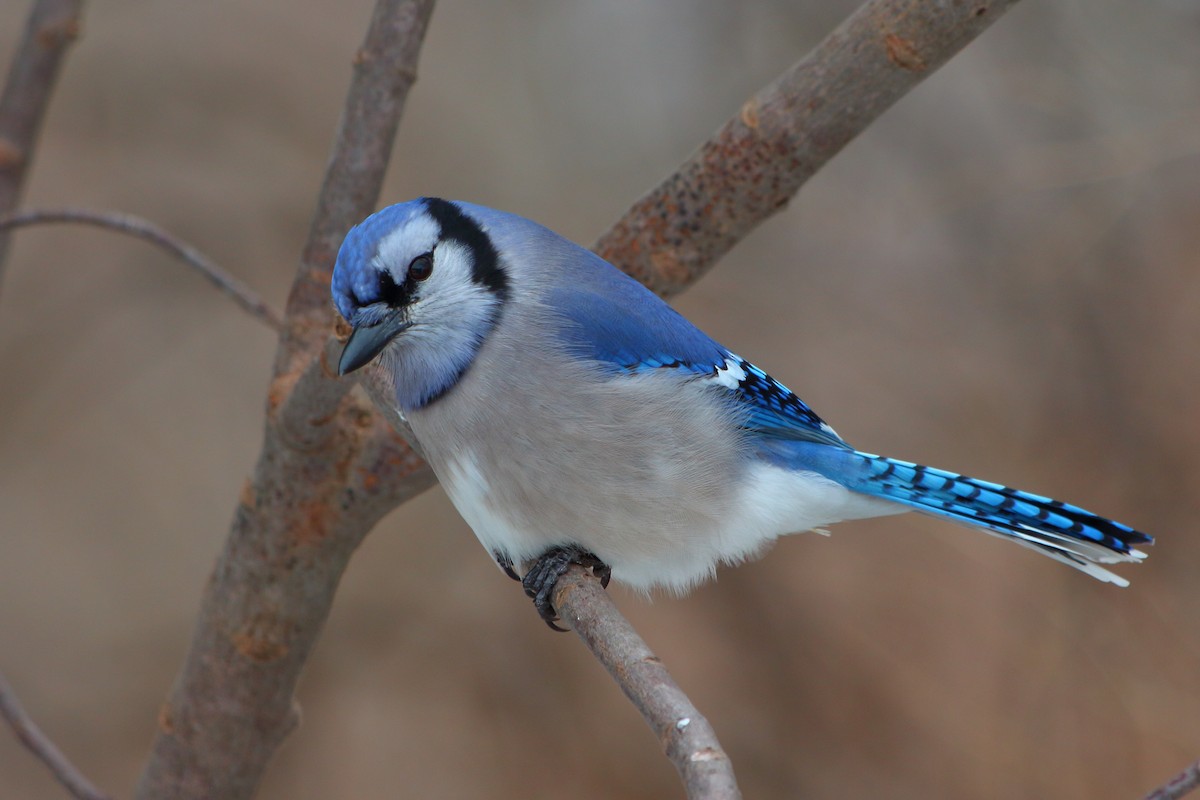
x=1002, y=277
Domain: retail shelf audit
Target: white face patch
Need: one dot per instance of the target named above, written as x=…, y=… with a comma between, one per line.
x=401, y=246
x=730, y=374
x=450, y=305
x=452, y=260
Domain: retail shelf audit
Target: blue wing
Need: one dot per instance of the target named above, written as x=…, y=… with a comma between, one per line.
x=613, y=319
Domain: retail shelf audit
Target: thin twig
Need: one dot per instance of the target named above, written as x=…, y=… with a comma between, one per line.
x=40, y=745
x=686, y=736
x=147, y=231
x=1182, y=784
x=52, y=26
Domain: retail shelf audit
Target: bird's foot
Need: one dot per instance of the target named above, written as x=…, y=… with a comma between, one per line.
x=542, y=577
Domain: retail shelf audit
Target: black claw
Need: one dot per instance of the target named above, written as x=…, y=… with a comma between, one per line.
x=542, y=577
x=603, y=572
x=506, y=564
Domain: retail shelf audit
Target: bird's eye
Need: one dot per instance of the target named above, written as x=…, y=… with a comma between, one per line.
x=421, y=267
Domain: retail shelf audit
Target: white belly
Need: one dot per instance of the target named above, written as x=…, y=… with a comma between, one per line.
x=675, y=550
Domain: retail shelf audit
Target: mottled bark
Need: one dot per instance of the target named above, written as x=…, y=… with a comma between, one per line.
x=782, y=135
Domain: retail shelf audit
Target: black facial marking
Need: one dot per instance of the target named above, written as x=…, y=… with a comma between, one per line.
x=397, y=295
x=391, y=293
x=458, y=226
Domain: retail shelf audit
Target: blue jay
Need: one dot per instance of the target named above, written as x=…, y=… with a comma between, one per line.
x=574, y=417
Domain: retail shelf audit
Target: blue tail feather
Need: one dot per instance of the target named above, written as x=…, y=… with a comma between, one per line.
x=1060, y=530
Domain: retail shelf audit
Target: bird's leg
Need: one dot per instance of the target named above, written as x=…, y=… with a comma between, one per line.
x=542, y=577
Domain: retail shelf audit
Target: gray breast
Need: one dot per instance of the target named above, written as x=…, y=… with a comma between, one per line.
x=569, y=453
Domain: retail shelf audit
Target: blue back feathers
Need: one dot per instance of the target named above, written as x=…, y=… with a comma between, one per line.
x=615, y=320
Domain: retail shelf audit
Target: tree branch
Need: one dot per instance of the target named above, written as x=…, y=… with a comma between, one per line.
x=52, y=26
x=143, y=229
x=686, y=737
x=327, y=472
x=1182, y=784
x=757, y=160
x=40, y=745
x=330, y=467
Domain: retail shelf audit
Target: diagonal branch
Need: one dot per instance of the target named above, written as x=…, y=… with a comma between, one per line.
x=782, y=135
x=146, y=230
x=686, y=737
x=52, y=26
x=39, y=744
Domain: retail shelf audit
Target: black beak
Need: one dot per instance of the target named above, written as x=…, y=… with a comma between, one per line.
x=367, y=341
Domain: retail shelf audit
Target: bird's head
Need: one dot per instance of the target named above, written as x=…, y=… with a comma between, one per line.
x=418, y=281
